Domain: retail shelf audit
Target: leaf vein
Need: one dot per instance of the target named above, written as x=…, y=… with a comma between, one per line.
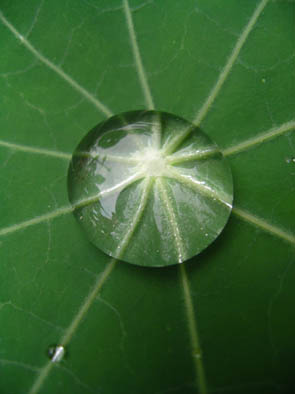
x=35, y=150
x=97, y=103
x=193, y=331
x=137, y=217
x=173, y=221
x=222, y=76
x=68, y=209
x=44, y=372
x=137, y=57
x=230, y=62
x=264, y=225
x=200, y=186
x=266, y=136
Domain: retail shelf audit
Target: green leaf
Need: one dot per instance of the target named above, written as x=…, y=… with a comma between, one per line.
x=222, y=322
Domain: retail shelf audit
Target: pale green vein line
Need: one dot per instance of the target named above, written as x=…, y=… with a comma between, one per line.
x=98, y=104
x=172, y=219
x=193, y=331
x=144, y=199
x=68, y=209
x=119, y=159
x=222, y=76
x=239, y=212
x=137, y=56
x=206, y=153
x=268, y=135
x=19, y=364
x=87, y=303
x=200, y=186
x=107, y=192
x=115, y=158
x=39, y=219
x=230, y=62
x=192, y=325
x=63, y=155
x=264, y=225
x=38, y=151
x=69, y=333
x=44, y=372
x=157, y=131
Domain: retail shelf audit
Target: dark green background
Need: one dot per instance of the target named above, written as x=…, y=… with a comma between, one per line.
x=135, y=337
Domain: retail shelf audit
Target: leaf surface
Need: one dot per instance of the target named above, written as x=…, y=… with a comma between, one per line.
x=225, y=321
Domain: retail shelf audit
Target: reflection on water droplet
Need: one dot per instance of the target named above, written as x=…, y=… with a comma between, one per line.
x=56, y=353
x=291, y=160
x=150, y=188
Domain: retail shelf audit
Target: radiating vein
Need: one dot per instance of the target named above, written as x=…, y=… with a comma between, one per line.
x=19, y=364
x=39, y=219
x=68, y=209
x=192, y=325
x=264, y=225
x=200, y=186
x=110, y=190
x=172, y=220
x=137, y=56
x=64, y=155
x=38, y=151
x=97, y=103
x=199, y=155
x=230, y=62
x=222, y=76
x=133, y=225
x=69, y=333
x=193, y=331
x=44, y=372
x=267, y=135
x=115, y=158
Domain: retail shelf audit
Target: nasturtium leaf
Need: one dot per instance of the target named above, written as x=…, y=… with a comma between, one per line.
x=222, y=322
x=150, y=188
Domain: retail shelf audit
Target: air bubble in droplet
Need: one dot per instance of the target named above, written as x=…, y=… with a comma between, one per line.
x=56, y=353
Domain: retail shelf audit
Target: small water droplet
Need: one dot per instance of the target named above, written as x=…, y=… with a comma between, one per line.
x=206, y=235
x=56, y=353
x=263, y=80
x=290, y=160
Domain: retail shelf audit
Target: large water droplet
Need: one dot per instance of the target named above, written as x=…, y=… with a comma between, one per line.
x=56, y=353
x=150, y=188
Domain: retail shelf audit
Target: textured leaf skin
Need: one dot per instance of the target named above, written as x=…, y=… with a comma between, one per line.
x=135, y=336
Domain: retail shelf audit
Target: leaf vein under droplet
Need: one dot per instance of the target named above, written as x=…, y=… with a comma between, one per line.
x=172, y=219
